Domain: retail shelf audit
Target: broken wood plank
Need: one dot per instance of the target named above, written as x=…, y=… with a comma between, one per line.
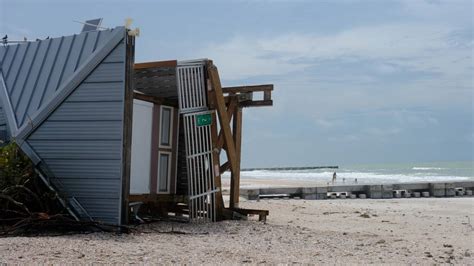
x=225, y=167
x=251, y=88
x=256, y=103
x=262, y=214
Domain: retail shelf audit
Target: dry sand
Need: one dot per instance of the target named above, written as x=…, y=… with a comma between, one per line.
x=260, y=183
x=397, y=231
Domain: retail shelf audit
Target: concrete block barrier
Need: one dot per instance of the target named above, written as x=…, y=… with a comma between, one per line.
x=374, y=191
x=314, y=193
x=387, y=191
x=425, y=194
x=438, y=189
x=310, y=196
x=450, y=190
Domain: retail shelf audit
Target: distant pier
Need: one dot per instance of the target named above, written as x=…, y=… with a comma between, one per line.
x=290, y=168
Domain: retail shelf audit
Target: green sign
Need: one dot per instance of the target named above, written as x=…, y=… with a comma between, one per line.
x=203, y=120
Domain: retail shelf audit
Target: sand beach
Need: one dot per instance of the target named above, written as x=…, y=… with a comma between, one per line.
x=297, y=231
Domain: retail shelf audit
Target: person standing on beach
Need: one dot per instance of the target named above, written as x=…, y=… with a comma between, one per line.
x=334, y=177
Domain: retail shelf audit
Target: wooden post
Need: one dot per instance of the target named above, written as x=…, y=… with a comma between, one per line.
x=235, y=175
x=217, y=173
x=127, y=128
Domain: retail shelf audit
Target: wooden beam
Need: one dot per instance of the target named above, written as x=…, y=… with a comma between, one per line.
x=262, y=214
x=235, y=174
x=267, y=95
x=217, y=173
x=127, y=129
x=256, y=103
x=233, y=101
x=169, y=63
x=215, y=85
x=220, y=141
x=251, y=211
x=252, y=88
x=225, y=167
x=250, y=103
x=230, y=108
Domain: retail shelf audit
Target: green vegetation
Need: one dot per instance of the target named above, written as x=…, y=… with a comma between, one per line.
x=15, y=167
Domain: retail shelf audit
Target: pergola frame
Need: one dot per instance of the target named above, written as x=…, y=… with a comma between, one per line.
x=228, y=103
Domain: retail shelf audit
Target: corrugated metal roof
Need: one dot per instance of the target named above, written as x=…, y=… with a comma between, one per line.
x=64, y=98
x=35, y=71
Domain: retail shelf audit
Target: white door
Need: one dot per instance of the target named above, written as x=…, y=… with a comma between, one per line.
x=141, y=147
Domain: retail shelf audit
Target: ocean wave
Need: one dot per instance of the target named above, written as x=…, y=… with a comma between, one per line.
x=427, y=168
x=349, y=177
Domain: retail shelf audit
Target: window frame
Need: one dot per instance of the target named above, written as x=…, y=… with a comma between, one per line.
x=170, y=132
x=168, y=183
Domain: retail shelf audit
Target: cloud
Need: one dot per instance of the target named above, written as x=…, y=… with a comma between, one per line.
x=417, y=47
x=326, y=123
x=241, y=57
x=383, y=132
x=344, y=138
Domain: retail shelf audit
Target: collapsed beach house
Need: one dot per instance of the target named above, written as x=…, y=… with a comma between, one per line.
x=110, y=135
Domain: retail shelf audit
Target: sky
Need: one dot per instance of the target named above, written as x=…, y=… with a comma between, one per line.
x=355, y=81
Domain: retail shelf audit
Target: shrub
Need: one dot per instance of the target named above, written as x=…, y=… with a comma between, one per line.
x=15, y=167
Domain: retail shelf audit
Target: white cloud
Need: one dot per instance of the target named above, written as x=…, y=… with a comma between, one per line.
x=418, y=47
x=242, y=57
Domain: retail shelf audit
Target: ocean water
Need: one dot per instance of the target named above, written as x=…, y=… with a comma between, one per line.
x=375, y=173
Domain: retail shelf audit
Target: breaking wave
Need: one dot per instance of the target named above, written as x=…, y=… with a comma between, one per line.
x=348, y=176
x=427, y=168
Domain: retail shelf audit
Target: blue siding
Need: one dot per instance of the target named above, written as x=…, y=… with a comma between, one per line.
x=80, y=141
x=3, y=127
x=3, y=119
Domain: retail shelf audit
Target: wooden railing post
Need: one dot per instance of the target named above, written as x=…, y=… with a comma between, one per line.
x=217, y=173
x=235, y=175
